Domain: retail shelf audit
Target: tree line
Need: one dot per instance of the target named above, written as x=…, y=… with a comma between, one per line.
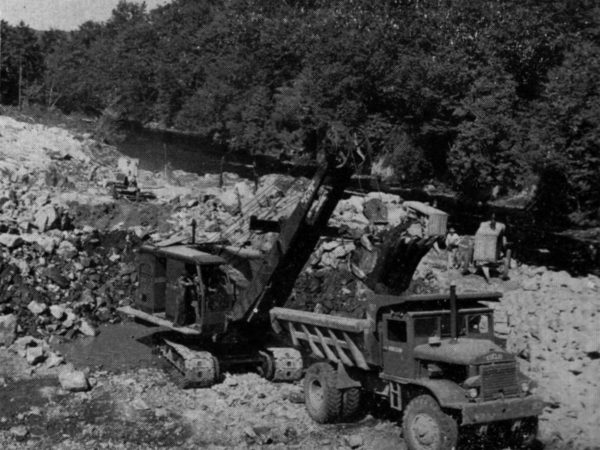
x=494, y=96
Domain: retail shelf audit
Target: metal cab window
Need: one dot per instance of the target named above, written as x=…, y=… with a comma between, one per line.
x=396, y=331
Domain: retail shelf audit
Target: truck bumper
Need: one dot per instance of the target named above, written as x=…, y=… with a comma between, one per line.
x=496, y=410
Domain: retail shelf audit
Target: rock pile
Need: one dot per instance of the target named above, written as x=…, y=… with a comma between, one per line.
x=65, y=288
x=551, y=321
x=555, y=328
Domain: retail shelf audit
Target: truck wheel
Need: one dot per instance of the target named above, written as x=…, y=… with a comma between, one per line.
x=323, y=400
x=524, y=433
x=426, y=427
x=351, y=402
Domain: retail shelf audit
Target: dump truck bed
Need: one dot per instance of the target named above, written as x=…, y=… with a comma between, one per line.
x=338, y=339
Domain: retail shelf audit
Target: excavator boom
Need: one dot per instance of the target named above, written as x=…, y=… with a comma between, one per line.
x=292, y=248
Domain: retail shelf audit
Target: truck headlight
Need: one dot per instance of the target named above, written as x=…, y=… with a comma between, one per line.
x=473, y=392
x=525, y=386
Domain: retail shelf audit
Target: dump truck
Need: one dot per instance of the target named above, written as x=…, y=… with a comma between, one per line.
x=432, y=358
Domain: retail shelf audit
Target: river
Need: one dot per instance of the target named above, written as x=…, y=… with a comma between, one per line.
x=196, y=154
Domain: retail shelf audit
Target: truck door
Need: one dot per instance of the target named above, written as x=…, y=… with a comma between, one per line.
x=396, y=360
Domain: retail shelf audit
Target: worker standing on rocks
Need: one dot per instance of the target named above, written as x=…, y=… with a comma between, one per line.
x=452, y=241
x=497, y=229
x=493, y=227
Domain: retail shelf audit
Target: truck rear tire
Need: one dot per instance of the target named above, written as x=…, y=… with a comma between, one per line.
x=351, y=403
x=426, y=427
x=323, y=400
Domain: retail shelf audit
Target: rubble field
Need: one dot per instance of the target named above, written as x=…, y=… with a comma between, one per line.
x=67, y=261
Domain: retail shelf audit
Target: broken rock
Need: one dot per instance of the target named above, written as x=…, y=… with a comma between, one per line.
x=355, y=441
x=230, y=201
x=67, y=250
x=87, y=329
x=46, y=243
x=37, y=308
x=8, y=329
x=530, y=284
x=10, y=241
x=46, y=218
x=57, y=311
x=53, y=360
x=54, y=274
x=73, y=380
x=35, y=355
x=19, y=432
x=376, y=211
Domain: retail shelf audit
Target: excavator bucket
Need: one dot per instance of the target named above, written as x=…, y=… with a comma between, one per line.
x=387, y=267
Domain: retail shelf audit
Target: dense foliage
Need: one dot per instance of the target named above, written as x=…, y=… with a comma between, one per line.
x=494, y=95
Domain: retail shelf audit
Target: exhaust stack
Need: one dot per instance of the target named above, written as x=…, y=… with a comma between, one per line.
x=453, y=313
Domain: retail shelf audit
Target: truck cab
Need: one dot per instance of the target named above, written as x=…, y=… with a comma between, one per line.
x=402, y=332
x=450, y=351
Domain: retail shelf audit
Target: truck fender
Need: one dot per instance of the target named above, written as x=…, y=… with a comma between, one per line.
x=446, y=392
x=343, y=380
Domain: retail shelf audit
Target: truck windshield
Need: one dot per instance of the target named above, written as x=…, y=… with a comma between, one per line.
x=426, y=327
x=468, y=324
x=477, y=324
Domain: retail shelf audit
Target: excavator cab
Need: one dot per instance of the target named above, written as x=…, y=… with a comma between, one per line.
x=184, y=287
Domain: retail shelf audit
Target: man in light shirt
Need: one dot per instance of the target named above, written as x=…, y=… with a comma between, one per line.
x=452, y=241
x=498, y=230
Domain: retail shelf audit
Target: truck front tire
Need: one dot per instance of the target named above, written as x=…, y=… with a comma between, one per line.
x=323, y=400
x=426, y=427
x=524, y=436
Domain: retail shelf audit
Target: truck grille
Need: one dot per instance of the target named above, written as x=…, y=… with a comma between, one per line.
x=499, y=380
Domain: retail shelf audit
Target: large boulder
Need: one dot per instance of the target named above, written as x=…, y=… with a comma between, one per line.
x=8, y=329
